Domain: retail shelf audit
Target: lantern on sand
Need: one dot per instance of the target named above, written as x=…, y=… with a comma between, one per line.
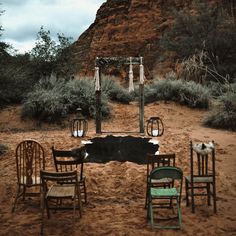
x=155, y=127
x=79, y=125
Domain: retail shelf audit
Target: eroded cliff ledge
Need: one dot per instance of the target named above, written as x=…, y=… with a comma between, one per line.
x=126, y=28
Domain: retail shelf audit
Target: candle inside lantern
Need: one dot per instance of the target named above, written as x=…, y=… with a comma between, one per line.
x=78, y=133
x=155, y=132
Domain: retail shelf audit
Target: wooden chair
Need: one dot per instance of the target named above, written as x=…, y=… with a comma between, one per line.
x=69, y=160
x=158, y=160
x=202, y=174
x=158, y=196
x=56, y=188
x=30, y=159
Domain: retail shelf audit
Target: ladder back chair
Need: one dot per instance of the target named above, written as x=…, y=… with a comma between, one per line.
x=158, y=197
x=30, y=159
x=69, y=160
x=158, y=160
x=202, y=174
x=60, y=190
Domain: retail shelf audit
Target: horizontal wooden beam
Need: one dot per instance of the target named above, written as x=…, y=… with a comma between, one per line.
x=104, y=61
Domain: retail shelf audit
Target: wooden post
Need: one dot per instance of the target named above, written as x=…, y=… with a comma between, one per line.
x=141, y=108
x=98, y=111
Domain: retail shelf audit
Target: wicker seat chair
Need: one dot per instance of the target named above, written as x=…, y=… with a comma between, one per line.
x=60, y=190
x=69, y=160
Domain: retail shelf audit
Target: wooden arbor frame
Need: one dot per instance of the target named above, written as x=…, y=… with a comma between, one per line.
x=102, y=62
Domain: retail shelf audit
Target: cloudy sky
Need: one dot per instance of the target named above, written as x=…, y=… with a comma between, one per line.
x=22, y=19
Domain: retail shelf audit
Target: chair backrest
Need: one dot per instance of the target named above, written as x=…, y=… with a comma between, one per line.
x=30, y=159
x=69, y=160
x=171, y=172
x=68, y=177
x=158, y=160
x=202, y=159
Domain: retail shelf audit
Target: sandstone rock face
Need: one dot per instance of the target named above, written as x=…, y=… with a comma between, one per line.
x=128, y=28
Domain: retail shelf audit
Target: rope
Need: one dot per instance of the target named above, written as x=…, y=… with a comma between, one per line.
x=97, y=79
x=131, y=76
x=141, y=71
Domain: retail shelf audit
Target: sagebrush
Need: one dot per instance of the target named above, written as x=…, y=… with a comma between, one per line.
x=223, y=114
x=54, y=98
x=184, y=92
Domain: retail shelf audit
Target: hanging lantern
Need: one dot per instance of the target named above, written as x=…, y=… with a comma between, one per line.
x=79, y=125
x=155, y=127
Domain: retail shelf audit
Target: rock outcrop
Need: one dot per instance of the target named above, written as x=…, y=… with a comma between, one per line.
x=126, y=28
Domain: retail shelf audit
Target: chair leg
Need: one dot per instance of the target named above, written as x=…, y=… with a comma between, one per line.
x=24, y=191
x=74, y=207
x=151, y=213
x=42, y=215
x=79, y=201
x=192, y=198
x=179, y=214
x=18, y=194
x=214, y=197
x=41, y=228
x=85, y=192
x=15, y=200
x=208, y=194
x=146, y=198
x=148, y=208
x=186, y=192
x=47, y=207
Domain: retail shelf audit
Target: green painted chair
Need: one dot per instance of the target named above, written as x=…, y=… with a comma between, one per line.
x=158, y=160
x=160, y=198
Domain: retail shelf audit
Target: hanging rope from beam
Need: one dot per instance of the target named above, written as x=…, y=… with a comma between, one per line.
x=141, y=71
x=131, y=76
x=97, y=79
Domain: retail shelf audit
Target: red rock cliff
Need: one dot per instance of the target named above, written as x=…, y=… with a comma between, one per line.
x=126, y=28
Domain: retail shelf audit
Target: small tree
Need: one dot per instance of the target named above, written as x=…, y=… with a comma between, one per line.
x=45, y=47
x=50, y=56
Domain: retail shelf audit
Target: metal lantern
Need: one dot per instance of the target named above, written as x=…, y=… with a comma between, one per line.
x=155, y=127
x=79, y=125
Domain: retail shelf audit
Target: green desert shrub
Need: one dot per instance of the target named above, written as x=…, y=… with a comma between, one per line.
x=218, y=89
x=53, y=99
x=82, y=94
x=115, y=91
x=185, y=92
x=48, y=101
x=223, y=115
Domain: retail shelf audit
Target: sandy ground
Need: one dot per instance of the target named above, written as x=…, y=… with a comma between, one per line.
x=116, y=191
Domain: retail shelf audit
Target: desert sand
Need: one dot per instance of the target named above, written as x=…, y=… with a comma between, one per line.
x=116, y=191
